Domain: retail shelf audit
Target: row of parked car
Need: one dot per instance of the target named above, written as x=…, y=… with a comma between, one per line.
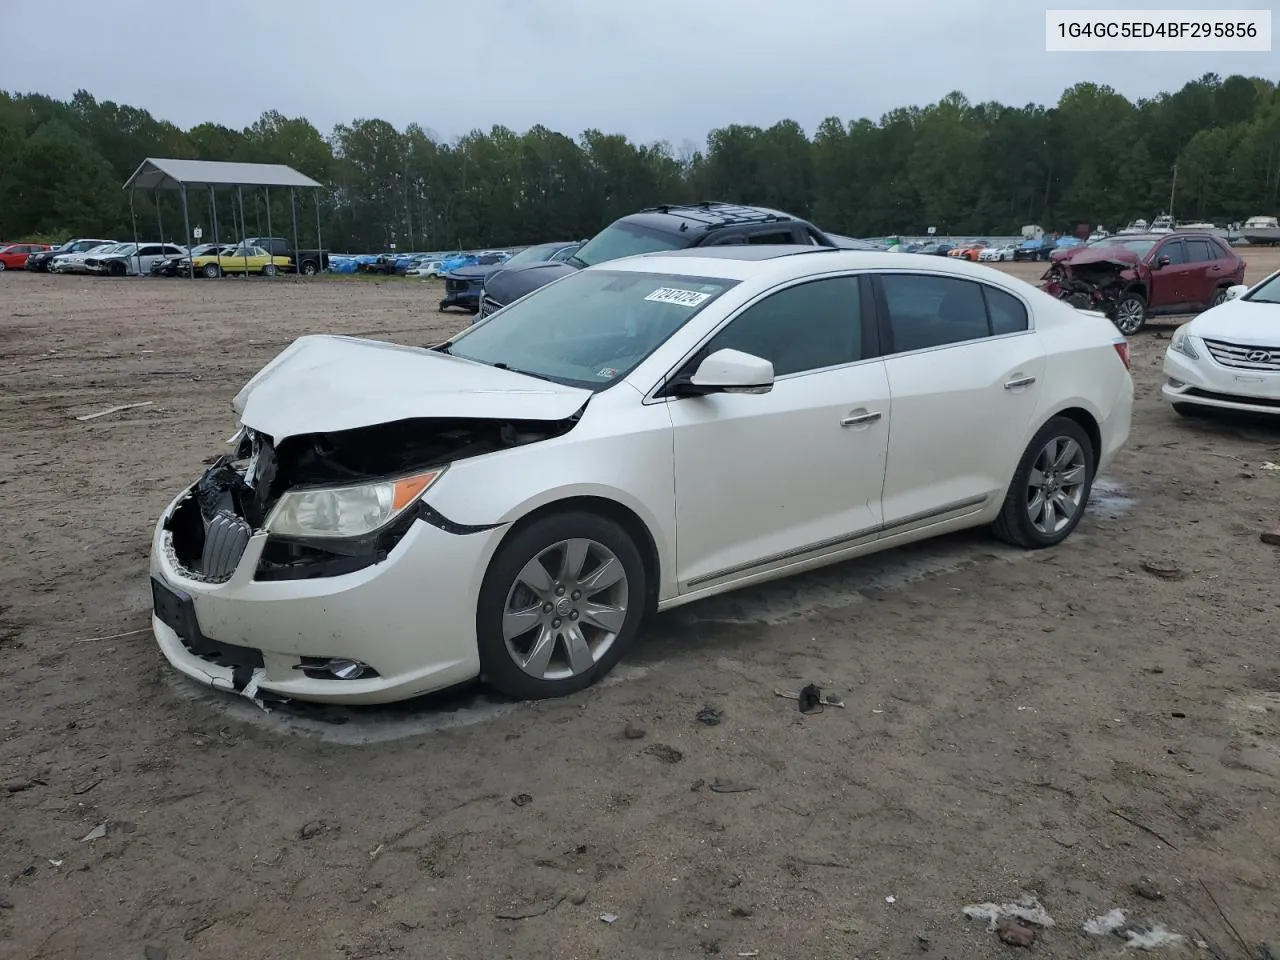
x=263, y=256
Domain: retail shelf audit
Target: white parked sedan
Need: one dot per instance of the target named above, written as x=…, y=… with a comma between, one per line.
x=130, y=259
x=996, y=254
x=1228, y=357
x=634, y=436
x=74, y=262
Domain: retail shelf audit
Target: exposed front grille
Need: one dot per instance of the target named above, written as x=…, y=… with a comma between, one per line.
x=488, y=305
x=457, y=286
x=1243, y=357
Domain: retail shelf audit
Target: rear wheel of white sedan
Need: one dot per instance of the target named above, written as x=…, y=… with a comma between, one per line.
x=1050, y=488
x=560, y=603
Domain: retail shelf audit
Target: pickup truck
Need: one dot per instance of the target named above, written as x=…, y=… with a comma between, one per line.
x=306, y=262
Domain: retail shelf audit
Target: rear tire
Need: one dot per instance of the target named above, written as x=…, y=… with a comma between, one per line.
x=1219, y=296
x=269, y=270
x=116, y=270
x=309, y=268
x=1050, y=488
x=3, y=268
x=580, y=628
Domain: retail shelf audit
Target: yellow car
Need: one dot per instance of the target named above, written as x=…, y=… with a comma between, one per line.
x=241, y=260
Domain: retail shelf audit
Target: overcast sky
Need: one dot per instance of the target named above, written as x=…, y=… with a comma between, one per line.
x=652, y=69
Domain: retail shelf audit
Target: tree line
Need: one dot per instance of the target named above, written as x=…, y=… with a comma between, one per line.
x=964, y=168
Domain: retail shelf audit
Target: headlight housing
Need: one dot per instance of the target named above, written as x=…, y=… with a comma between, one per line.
x=1182, y=344
x=348, y=511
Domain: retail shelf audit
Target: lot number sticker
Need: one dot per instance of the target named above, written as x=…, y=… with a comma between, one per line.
x=685, y=298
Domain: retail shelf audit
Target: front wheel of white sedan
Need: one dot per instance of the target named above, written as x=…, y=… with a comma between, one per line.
x=560, y=603
x=1050, y=488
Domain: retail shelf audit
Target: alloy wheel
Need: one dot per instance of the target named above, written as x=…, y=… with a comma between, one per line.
x=1129, y=316
x=565, y=609
x=1056, y=485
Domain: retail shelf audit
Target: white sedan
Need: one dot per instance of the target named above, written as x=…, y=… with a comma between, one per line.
x=74, y=262
x=1228, y=358
x=634, y=436
x=996, y=254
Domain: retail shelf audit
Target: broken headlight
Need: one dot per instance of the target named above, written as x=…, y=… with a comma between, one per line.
x=350, y=511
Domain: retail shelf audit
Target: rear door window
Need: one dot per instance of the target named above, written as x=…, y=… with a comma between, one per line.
x=930, y=311
x=1199, y=251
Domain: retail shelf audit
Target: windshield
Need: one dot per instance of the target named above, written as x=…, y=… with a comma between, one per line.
x=591, y=328
x=1266, y=292
x=623, y=239
x=538, y=254
x=1140, y=247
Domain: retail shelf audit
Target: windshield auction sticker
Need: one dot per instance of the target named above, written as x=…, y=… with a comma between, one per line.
x=685, y=298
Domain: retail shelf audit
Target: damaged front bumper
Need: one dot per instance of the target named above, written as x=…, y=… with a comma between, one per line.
x=407, y=619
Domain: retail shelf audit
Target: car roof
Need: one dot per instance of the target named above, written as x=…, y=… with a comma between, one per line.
x=743, y=252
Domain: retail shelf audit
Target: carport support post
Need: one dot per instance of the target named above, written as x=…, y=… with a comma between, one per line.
x=272, y=261
x=217, y=243
x=293, y=208
x=159, y=223
x=186, y=222
x=319, y=241
x=244, y=232
x=134, y=217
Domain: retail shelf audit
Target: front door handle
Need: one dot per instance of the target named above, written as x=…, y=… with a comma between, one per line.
x=860, y=418
x=1019, y=382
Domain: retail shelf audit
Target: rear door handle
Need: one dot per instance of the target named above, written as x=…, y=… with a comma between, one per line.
x=860, y=418
x=1019, y=382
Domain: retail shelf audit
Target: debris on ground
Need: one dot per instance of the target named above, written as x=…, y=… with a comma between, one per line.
x=1270, y=466
x=730, y=786
x=5, y=904
x=97, y=833
x=709, y=715
x=891, y=899
x=633, y=731
x=522, y=799
x=811, y=698
x=1157, y=936
x=123, y=406
x=1146, y=887
x=313, y=828
x=1271, y=537
x=1165, y=569
x=537, y=910
x=1105, y=923
x=1015, y=933
x=609, y=917
x=664, y=753
x=1026, y=908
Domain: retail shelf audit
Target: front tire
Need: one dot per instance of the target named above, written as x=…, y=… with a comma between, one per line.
x=1130, y=314
x=1050, y=487
x=211, y=271
x=560, y=603
x=3, y=268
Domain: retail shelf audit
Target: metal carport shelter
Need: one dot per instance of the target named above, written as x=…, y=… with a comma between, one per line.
x=181, y=175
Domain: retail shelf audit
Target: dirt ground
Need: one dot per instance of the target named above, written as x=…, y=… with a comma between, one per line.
x=1064, y=723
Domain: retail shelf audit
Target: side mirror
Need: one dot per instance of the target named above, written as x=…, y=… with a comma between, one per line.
x=1163, y=262
x=1239, y=290
x=729, y=371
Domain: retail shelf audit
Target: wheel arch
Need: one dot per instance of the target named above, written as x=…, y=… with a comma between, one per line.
x=1087, y=421
x=619, y=513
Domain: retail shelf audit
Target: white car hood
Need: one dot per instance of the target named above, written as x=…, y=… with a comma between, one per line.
x=1240, y=321
x=322, y=384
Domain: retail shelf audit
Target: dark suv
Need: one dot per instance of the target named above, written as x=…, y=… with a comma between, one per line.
x=668, y=227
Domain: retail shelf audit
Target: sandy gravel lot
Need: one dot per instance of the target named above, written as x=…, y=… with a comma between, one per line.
x=1064, y=723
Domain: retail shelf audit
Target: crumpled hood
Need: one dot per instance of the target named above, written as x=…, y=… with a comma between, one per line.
x=323, y=384
x=1122, y=257
x=1242, y=322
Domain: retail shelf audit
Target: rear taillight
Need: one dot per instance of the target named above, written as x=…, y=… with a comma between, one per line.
x=1122, y=350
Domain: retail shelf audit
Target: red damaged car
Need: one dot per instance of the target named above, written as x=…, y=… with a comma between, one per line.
x=1131, y=278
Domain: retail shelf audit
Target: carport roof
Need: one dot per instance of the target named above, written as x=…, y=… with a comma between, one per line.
x=160, y=174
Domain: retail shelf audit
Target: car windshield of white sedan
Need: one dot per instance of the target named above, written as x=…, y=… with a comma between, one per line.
x=1268, y=292
x=591, y=328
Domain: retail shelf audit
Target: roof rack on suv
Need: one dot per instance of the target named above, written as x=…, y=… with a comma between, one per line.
x=717, y=213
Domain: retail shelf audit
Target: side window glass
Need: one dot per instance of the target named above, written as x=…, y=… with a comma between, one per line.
x=1174, y=251
x=1006, y=311
x=148, y=251
x=1199, y=251
x=776, y=237
x=805, y=327
x=928, y=311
